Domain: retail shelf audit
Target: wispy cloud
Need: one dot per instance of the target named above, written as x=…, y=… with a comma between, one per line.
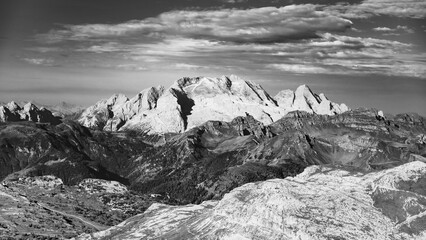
x=370, y=8
x=297, y=68
x=234, y=1
x=394, y=31
x=260, y=25
x=303, y=38
x=39, y=61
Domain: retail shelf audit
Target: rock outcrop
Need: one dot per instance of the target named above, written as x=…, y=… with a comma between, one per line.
x=190, y=102
x=96, y=186
x=320, y=203
x=12, y=112
x=303, y=99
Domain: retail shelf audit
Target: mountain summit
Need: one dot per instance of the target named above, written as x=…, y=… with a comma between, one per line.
x=12, y=112
x=190, y=102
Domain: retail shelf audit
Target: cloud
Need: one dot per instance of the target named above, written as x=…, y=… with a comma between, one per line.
x=234, y=1
x=394, y=31
x=370, y=8
x=343, y=55
x=297, y=68
x=130, y=67
x=185, y=66
x=260, y=25
x=39, y=61
x=44, y=49
x=298, y=39
x=383, y=29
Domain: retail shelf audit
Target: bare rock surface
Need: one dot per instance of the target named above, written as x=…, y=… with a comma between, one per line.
x=42, y=207
x=12, y=112
x=92, y=186
x=190, y=102
x=320, y=203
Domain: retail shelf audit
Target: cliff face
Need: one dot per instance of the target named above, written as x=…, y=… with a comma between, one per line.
x=190, y=102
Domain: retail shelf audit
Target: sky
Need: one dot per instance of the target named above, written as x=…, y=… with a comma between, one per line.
x=365, y=53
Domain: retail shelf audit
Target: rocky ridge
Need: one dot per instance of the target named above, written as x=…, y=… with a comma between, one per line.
x=208, y=161
x=320, y=203
x=12, y=112
x=190, y=102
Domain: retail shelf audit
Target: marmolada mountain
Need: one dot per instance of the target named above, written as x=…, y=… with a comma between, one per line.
x=211, y=158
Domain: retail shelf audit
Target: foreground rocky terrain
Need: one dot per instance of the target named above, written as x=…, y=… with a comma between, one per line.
x=320, y=203
x=44, y=208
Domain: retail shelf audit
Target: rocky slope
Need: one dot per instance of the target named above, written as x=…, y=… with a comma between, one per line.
x=68, y=151
x=44, y=208
x=321, y=203
x=190, y=102
x=208, y=161
x=12, y=112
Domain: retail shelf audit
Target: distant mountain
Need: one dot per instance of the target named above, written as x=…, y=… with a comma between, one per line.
x=320, y=203
x=64, y=109
x=190, y=102
x=12, y=112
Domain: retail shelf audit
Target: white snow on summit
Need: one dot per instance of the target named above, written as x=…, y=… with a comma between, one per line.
x=303, y=99
x=190, y=102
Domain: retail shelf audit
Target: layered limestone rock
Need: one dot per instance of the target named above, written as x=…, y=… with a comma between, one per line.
x=320, y=203
x=12, y=112
x=47, y=182
x=303, y=99
x=97, y=186
x=190, y=102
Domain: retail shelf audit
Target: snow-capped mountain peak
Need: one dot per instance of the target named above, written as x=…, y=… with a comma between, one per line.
x=189, y=102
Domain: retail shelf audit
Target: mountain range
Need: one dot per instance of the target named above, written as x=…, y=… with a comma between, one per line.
x=36, y=112
x=12, y=112
x=249, y=165
x=190, y=102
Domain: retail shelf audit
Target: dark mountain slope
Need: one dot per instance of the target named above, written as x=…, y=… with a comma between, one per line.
x=209, y=160
x=67, y=150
